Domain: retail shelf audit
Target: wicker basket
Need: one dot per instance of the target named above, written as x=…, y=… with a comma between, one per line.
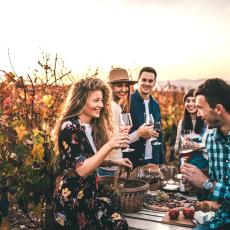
x=131, y=198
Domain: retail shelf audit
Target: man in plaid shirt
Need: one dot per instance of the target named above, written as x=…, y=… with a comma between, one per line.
x=213, y=102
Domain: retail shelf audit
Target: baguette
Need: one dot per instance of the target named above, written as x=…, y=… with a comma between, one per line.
x=207, y=206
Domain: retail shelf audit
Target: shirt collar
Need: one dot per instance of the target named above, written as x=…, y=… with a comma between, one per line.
x=219, y=135
x=139, y=97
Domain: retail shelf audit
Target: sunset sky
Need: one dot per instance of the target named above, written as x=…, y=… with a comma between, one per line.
x=180, y=38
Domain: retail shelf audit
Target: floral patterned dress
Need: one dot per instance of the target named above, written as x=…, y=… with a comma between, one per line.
x=81, y=202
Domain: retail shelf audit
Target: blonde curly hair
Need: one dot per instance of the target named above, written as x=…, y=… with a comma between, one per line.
x=75, y=104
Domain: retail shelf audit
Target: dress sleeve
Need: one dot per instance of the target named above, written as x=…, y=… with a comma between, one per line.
x=72, y=154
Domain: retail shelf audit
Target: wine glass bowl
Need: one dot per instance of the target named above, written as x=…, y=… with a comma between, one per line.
x=185, y=145
x=149, y=121
x=125, y=124
x=157, y=128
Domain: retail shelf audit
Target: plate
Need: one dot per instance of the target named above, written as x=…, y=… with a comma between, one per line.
x=171, y=187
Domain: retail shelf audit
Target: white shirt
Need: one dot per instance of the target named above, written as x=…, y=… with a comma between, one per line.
x=88, y=132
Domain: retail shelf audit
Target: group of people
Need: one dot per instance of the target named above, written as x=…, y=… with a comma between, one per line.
x=89, y=144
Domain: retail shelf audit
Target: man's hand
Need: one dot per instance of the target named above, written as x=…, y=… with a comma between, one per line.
x=145, y=132
x=193, y=175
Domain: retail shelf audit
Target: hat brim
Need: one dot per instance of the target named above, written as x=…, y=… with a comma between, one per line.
x=131, y=82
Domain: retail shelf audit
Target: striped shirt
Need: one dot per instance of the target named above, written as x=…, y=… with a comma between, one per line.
x=218, y=147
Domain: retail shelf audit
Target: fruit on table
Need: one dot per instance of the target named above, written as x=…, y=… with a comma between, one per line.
x=174, y=213
x=188, y=212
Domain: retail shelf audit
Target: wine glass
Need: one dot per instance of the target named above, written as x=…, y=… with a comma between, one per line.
x=185, y=145
x=157, y=128
x=149, y=121
x=125, y=124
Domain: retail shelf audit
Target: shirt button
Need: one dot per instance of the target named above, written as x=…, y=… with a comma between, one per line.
x=226, y=177
x=226, y=161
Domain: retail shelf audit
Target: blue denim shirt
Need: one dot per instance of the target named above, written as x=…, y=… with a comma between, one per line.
x=137, y=111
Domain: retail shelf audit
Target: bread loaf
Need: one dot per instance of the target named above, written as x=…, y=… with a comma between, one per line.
x=207, y=206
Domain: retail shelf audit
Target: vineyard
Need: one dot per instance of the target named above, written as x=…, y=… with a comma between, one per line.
x=29, y=107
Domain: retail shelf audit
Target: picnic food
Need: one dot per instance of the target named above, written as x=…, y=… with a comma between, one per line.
x=174, y=213
x=203, y=217
x=162, y=201
x=207, y=206
x=188, y=212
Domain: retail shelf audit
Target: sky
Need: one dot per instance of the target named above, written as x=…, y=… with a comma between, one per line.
x=179, y=38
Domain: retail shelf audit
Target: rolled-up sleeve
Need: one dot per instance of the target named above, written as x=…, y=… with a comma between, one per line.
x=221, y=192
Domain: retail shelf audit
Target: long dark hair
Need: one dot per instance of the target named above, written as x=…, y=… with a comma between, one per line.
x=187, y=119
x=125, y=103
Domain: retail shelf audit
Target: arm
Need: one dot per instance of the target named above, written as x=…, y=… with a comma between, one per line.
x=92, y=163
x=143, y=131
x=220, y=192
x=125, y=162
x=71, y=143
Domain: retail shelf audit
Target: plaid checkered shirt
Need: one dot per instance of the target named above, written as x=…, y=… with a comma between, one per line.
x=218, y=147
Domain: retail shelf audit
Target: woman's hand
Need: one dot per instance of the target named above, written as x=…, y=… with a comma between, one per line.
x=198, y=146
x=123, y=162
x=119, y=141
x=195, y=145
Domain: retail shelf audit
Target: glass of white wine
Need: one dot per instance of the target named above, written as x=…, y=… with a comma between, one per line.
x=125, y=124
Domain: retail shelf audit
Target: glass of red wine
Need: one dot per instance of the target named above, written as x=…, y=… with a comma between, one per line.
x=157, y=128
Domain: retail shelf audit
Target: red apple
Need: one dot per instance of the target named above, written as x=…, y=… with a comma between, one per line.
x=174, y=213
x=188, y=212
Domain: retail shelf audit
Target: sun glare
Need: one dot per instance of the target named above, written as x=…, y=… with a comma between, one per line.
x=180, y=42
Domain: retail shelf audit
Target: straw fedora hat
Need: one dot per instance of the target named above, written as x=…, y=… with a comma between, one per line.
x=120, y=75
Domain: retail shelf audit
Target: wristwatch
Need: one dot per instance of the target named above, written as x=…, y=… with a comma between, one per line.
x=207, y=185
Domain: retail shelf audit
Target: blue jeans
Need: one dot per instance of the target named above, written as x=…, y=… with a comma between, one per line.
x=105, y=172
x=148, y=161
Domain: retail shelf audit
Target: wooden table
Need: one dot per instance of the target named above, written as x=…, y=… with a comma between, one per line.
x=148, y=220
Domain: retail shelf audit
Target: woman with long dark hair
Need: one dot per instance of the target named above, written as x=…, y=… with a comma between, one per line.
x=84, y=140
x=192, y=121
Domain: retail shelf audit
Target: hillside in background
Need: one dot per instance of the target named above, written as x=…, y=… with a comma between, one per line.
x=182, y=83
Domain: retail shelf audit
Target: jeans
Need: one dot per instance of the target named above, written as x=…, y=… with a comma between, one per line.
x=148, y=161
x=105, y=172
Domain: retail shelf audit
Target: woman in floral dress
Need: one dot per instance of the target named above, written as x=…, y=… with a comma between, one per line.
x=84, y=141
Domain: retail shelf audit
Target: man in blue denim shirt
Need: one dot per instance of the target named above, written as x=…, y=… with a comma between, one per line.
x=213, y=102
x=142, y=105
